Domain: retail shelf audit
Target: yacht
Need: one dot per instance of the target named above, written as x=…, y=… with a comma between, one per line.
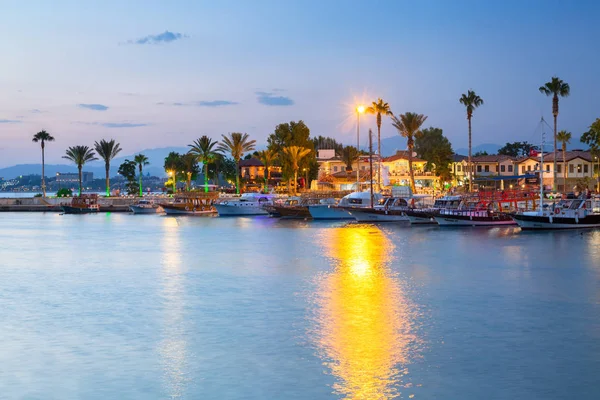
x=246, y=204
x=145, y=207
x=191, y=203
x=473, y=213
x=566, y=214
x=389, y=209
x=420, y=216
x=340, y=211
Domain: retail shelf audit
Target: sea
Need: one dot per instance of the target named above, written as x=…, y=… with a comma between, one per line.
x=119, y=306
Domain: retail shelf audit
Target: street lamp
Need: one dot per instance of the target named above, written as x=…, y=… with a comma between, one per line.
x=359, y=110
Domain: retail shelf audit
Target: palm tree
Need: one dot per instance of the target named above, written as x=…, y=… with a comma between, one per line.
x=267, y=157
x=141, y=160
x=43, y=137
x=565, y=138
x=379, y=108
x=295, y=154
x=80, y=155
x=555, y=88
x=172, y=165
x=409, y=127
x=203, y=150
x=349, y=156
x=471, y=101
x=107, y=150
x=189, y=164
x=236, y=144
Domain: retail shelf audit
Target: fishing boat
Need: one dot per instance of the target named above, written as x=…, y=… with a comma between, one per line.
x=389, y=209
x=340, y=211
x=474, y=213
x=192, y=203
x=145, y=207
x=83, y=204
x=425, y=216
x=246, y=204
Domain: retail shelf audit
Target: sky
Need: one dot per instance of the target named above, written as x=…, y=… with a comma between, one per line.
x=156, y=74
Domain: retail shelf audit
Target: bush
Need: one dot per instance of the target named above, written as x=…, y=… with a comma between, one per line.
x=64, y=192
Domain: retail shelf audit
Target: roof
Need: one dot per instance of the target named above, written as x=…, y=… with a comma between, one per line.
x=401, y=155
x=251, y=162
x=459, y=158
x=352, y=175
x=492, y=158
x=569, y=155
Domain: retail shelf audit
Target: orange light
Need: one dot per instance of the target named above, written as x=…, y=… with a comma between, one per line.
x=360, y=109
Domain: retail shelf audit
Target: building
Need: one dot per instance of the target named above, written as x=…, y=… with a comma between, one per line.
x=334, y=174
x=397, y=170
x=253, y=169
x=73, y=177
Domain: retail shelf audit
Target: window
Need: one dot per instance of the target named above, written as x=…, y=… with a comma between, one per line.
x=529, y=168
x=487, y=168
x=496, y=167
x=510, y=168
x=571, y=168
x=335, y=169
x=479, y=168
x=547, y=167
x=502, y=168
x=585, y=169
x=363, y=168
x=522, y=169
x=559, y=168
x=578, y=168
x=458, y=168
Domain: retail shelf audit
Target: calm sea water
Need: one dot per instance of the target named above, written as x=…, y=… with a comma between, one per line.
x=115, y=306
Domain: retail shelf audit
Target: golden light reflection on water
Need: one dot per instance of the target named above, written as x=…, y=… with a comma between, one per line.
x=363, y=319
x=173, y=346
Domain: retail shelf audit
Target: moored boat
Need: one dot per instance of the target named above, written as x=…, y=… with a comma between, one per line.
x=389, y=209
x=84, y=204
x=145, y=207
x=340, y=211
x=566, y=214
x=247, y=204
x=192, y=203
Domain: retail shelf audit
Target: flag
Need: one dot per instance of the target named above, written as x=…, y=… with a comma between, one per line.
x=533, y=153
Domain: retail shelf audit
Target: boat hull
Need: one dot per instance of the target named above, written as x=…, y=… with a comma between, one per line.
x=230, y=210
x=293, y=212
x=79, y=210
x=420, y=218
x=143, y=210
x=539, y=222
x=374, y=215
x=474, y=219
x=182, y=211
x=325, y=212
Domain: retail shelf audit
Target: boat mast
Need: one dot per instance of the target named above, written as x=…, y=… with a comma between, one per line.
x=371, y=163
x=542, y=168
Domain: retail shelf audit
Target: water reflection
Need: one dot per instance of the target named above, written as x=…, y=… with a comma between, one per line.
x=363, y=319
x=173, y=346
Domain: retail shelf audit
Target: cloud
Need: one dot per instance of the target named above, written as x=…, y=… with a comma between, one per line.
x=122, y=125
x=202, y=103
x=164, y=37
x=10, y=121
x=95, y=107
x=268, y=99
x=36, y=111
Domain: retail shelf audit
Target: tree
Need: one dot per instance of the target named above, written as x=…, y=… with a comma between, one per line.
x=323, y=143
x=127, y=171
x=190, y=169
x=42, y=137
x=107, y=150
x=205, y=153
x=173, y=167
x=295, y=154
x=379, y=108
x=236, y=144
x=141, y=160
x=516, y=149
x=432, y=146
x=293, y=134
x=80, y=155
x=409, y=127
x=349, y=155
x=592, y=139
x=481, y=153
x=471, y=101
x=564, y=138
x=555, y=88
x=268, y=158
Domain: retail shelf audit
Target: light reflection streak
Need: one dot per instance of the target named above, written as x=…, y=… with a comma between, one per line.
x=173, y=346
x=364, y=322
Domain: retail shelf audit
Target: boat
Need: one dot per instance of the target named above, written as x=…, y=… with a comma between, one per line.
x=192, y=203
x=389, y=209
x=246, y=204
x=340, y=211
x=566, y=214
x=145, y=207
x=473, y=213
x=294, y=208
x=82, y=204
x=426, y=216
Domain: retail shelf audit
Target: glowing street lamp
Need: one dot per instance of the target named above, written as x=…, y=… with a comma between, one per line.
x=359, y=110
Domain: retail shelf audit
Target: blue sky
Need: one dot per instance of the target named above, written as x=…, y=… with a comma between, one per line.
x=156, y=73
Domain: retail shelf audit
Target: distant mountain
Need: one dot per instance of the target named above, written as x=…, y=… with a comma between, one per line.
x=390, y=145
x=490, y=148
x=155, y=156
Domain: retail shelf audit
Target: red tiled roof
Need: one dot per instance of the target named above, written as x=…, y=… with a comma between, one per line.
x=492, y=158
x=569, y=155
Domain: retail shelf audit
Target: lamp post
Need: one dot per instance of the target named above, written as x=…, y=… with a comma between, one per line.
x=305, y=170
x=359, y=110
x=597, y=175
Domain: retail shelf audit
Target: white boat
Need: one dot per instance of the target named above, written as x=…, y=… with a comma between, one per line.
x=340, y=211
x=145, y=207
x=566, y=214
x=246, y=204
x=389, y=209
x=421, y=216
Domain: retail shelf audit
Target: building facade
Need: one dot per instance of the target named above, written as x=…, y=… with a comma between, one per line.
x=73, y=177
